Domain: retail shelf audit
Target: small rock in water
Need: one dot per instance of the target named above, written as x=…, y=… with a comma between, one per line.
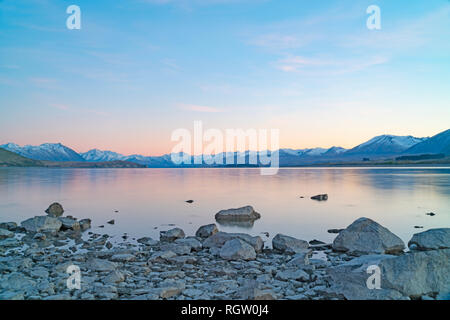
x=418, y=227
x=334, y=230
x=314, y=242
x=320, y=197
x=430, y=214
x=116, y=211
x=189, y=201
x=102, y=226
x=266, y=234
x=301, y=197
x=246, y=213
x=55, y=210
x=111, y=221
x=85, y=224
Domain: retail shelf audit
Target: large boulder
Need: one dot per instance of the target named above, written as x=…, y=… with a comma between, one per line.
x=55, y=210
x=349, y=280
x=432, y=239
x=171, y=235
x=365, y=236
x=288, y=244
x=236, y=249
x=418, y=273
x=218, y=239
x=42, y=224
x=246, y=213
x=206, y=231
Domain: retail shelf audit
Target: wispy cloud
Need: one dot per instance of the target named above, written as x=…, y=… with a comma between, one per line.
x=327, y=65
x=198, y=108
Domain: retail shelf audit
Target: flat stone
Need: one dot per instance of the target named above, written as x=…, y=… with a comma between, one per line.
x=95, y=264
x=218, y=239
x=246, y=213
x=289, y=244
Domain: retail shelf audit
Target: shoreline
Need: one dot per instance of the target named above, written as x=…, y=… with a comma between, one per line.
x=215, y=265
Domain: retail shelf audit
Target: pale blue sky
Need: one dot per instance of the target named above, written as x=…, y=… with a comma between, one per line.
x=139, y=69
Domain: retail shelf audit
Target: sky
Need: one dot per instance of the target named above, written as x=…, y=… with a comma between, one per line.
x=139, y=69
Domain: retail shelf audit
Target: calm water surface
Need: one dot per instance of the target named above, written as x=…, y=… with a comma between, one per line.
x=148, y=200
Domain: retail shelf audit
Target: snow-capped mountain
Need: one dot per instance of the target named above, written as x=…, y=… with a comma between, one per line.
x=439, y=143
x=46, y=151
x=96, y=155
x=385, y=145
x=312, y=152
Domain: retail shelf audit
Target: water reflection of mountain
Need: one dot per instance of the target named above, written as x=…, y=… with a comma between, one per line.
x=408, y=179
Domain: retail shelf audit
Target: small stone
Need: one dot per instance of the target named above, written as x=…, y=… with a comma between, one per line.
x=172, y=234
x=320, y=197
x=4, y=234
x=207, y=230
x=111, y=221
x=55, y=210
x=85, y=224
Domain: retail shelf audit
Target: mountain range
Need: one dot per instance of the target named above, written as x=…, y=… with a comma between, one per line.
x=379, y=147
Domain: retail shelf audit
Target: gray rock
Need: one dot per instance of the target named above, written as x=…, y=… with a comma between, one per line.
x=172, y=234
x=148, y=241
x=114, y=277
x=8, y=295
x=237, y=249
x=288, y=244
x=177, y=248
x=246, y=213
x=162, y=256
x=300, y=259
x=207, y=230
x=193, y=243
x=69, y=223
x=349, y=280
x=85, y=224
x=286, y=275
x=42, y=224
x=418, y=273
x=4, y=234
x=95, y=264
x=55, y=210
x=218, y=239
x=365, y=236
x=431, y=239
x=11, y=226
x=123, y=257
x=320, y=197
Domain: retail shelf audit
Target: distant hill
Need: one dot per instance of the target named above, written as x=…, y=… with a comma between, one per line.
x=11, y=159
x=46, y=151
x=439, y=143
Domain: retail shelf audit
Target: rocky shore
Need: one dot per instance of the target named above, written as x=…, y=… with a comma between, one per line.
x=36, y=256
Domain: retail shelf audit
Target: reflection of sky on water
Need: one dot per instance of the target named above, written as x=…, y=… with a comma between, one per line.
x=398, y=198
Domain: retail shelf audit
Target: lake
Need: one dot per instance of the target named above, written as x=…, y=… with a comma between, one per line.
x=151, y=200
